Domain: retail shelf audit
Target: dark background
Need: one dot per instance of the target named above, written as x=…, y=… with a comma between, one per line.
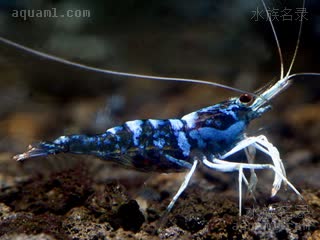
x=218, y=41
x=210, y=40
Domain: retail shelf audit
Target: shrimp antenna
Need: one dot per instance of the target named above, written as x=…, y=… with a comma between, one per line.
x=278, y=43
x=283, y=82
x=276, y=39
x=298, y=42
x=310, y=74
x=105, y=71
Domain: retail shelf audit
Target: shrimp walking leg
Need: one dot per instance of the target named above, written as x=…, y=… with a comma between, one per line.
x=250, y=152
x=183, y=185
x=261, y=143
x=226, y=166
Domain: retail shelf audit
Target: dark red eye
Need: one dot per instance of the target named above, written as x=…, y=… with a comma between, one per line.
x=246, y=99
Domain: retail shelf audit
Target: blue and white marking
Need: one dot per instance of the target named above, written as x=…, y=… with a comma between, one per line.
x=190, y=119
x=183, y=144
x=136, y=129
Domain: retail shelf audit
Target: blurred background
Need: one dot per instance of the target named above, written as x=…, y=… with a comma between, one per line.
x=228, y=42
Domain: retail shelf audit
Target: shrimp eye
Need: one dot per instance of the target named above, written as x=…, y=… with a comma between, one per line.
x=246, y=99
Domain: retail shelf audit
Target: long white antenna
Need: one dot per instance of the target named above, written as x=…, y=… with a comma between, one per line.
x=278, y=44
x=276, y=39
x=117, y=73
x=298, y=42
x=308, y=74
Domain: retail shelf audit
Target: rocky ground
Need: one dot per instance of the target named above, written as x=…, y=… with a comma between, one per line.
x=79, y=198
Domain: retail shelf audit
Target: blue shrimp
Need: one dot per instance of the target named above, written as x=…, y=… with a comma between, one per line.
x=206, y=136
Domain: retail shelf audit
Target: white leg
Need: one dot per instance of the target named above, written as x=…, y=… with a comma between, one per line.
x=240, y=189
x=250, y=152
x=261, y=143
x=225, y=166
x=236, y=166
x=266, y=147
x=183, y=185
x=228, y=168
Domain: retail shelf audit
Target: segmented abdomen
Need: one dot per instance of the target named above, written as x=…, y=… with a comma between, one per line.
x=147, y=145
